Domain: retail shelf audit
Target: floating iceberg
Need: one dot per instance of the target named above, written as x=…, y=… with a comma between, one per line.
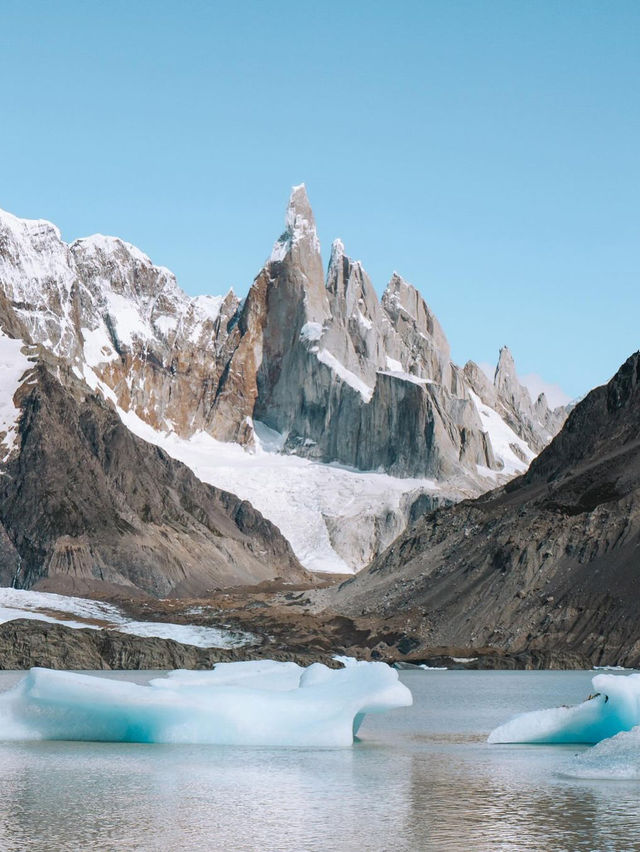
x=615, y=707
x=254, y=703
x=615, y=758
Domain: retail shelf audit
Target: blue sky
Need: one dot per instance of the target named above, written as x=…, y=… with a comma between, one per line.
x=488, y=151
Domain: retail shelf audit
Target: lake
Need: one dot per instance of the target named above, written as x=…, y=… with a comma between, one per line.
x=421, y=778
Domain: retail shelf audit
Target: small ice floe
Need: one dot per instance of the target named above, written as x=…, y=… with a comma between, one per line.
x=616, y=758
x=260, y=703
x=613, y=707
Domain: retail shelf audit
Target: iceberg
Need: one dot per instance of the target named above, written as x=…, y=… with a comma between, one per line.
x=614, y=758
x=259, y=703
x=614, y=707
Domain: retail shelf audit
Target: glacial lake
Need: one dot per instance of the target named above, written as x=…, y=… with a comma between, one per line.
x=421, y=778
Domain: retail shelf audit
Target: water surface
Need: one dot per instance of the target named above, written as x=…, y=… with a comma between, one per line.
x=422, y=778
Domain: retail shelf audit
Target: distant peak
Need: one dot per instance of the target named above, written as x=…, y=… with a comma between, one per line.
x=299, y=212
x=337, y=251
x=300, y=225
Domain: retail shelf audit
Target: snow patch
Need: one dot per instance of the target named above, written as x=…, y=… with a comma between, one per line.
x=311, y=331
x=13, y=366
x=502, y=437
x=355, y=382
x=38, y=606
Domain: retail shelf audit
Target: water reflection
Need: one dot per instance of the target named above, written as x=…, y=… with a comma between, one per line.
x=421, y=779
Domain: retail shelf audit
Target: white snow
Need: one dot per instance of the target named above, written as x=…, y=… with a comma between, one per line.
x=54, y=609
x=394, y=366
x=98, y=348
x=365, y=391
x=294, y=493
x=166, y=323
x=363, y=321
x=311, y=331
x=109, y=246
x=127, y=320
x=208, y=306
x=615, y=708
x=405, y=377
x=502, y=436
x=13, y=366
x=316, y=707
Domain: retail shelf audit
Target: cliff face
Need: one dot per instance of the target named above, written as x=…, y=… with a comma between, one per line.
x=548, y=561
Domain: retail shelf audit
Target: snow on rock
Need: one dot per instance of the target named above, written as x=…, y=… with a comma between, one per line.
x=614, y=707
x=311, y=331
x=317, y=707
x=13, y=365
x=95, y=615
x=515, y=454
x=350, y=378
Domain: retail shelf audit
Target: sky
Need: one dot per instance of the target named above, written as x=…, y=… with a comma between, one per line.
x=488, y=151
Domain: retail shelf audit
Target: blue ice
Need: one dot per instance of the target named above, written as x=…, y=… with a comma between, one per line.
x=263, y=703
x=615, y=708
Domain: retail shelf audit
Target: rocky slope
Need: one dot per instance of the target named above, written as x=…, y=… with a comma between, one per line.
x=318, y=365
x=548, y=562
x=84, y=498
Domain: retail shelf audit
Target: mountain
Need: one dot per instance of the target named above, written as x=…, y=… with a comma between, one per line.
x=547, y=562
x=352, y=416
x=87, y=501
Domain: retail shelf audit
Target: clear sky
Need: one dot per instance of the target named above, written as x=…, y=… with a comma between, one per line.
x=487, y=150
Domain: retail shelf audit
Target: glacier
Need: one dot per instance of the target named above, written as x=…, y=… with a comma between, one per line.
x=613, y=708
x=255, y=703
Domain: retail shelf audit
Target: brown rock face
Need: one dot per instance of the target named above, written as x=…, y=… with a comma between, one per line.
x=85, y=498
x=549, y=561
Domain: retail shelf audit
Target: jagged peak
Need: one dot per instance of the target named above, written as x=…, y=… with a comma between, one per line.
x=300, y=225
x=337, y=250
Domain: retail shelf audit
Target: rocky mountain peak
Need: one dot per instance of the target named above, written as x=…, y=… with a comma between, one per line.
x=300, y=227
x=506, y=377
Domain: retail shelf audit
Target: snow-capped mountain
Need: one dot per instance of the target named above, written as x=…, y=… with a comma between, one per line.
x=350, y=411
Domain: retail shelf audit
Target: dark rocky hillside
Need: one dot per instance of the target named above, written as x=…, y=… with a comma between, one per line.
x=85, y=498
x=551, y=561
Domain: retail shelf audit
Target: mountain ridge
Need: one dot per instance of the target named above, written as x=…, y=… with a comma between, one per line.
x=338, y=376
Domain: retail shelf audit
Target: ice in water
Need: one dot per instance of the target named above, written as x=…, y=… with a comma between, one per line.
x=253, y=703
x=610, y=718
x=614, y=707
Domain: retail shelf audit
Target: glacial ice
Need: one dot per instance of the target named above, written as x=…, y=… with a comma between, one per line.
x=614, y=758
x=260, y=703
x=615, y=707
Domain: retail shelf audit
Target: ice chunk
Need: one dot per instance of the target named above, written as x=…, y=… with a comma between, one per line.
x=614, y=707
x=616, y=758
x=255, y=703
